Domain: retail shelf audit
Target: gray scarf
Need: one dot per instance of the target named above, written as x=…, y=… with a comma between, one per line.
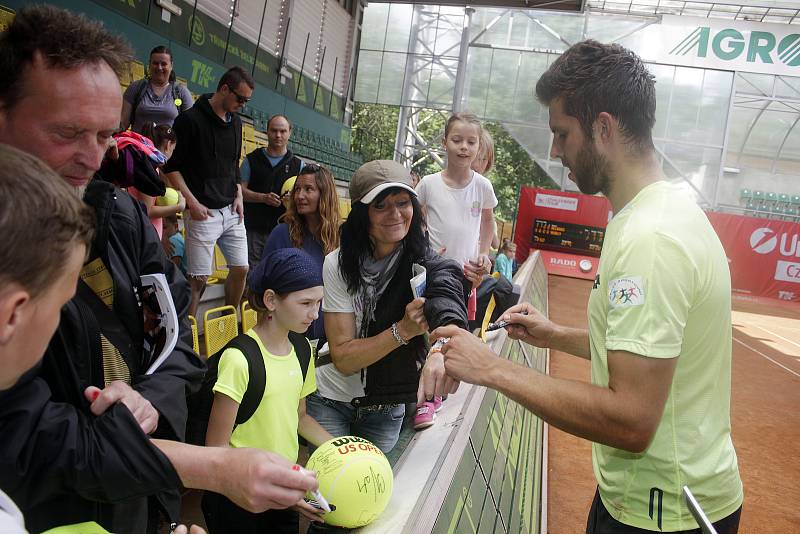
x=375, y=276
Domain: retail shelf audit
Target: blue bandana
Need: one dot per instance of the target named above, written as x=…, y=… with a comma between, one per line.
x=284, y=271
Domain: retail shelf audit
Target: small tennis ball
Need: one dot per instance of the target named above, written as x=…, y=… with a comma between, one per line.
x=355, y=476
x=170, y=198
x=178, y=102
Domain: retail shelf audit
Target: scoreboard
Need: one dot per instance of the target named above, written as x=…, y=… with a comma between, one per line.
x=567, y=237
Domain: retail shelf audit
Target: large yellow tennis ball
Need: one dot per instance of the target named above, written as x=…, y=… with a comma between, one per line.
x=170, y=198
x=288, y=185
x=355, y=476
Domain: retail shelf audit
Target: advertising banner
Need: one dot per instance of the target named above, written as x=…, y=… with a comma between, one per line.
x=730, y=45
x=572, y=265
x=567, y=227
x=764, y=255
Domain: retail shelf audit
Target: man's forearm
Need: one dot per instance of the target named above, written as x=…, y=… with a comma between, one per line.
x=579, y=408
x=197, y=467
x=573, y=341
x=252, y=196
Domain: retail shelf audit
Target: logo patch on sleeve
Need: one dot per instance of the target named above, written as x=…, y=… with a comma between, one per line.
x=627, y=291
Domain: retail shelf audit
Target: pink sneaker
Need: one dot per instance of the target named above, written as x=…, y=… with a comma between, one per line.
x=426, y=413
x=437, y=403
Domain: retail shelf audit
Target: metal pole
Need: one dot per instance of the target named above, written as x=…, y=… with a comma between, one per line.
x=319, y=77
x=191, y=28
x=302, y=66
x=516, y=211
x=283, y=51
x=725, y=141
x=463, y=53
x=333, y=83
x=228, y=38
x=258, y=41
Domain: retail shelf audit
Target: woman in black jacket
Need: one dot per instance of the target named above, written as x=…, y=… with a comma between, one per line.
x=373, y=323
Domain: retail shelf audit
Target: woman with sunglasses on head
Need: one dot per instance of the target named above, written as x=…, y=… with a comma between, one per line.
x=311, y=223
x=373, y=323
x=156, y=98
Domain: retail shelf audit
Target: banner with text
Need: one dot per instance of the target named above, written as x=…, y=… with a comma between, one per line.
x=764, y=255
x=730, y=45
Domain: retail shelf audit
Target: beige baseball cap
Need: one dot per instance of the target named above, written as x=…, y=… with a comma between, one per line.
x=376, y=176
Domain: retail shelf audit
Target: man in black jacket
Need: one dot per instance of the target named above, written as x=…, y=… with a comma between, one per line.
x=263, y=172
x=89, y=426
x=205, y=167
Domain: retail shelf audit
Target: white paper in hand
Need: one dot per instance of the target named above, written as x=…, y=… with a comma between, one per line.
x=418, y=280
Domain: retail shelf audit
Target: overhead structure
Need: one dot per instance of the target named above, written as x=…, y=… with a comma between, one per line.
x=727, y=79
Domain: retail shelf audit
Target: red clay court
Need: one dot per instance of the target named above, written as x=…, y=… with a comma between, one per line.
x=765, y=411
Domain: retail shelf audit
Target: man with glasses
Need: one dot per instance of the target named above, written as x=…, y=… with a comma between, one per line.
x=264, y=172
x=205, y=168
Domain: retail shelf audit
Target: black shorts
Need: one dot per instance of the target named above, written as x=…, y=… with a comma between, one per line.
x=601, y=522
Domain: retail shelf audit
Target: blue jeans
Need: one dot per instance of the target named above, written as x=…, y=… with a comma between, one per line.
x=380, y=424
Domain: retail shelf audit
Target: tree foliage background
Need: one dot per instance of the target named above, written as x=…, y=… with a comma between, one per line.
x=375, y=131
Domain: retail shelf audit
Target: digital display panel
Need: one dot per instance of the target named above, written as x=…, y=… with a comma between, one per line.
x=567, y=237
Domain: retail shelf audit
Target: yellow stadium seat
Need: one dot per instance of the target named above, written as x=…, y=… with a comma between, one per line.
x=344, y=207
x=127, y=76
x=137, y=71
x=249, y=317
x=195, y=337
x=220, y=328
x=220, y=267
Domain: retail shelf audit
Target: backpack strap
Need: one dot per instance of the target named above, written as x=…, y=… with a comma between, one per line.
x=257, y=372
x=176, y=94
x=138, y=98
x=302, y=348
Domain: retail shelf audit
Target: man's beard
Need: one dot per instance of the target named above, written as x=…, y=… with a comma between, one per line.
x=591, y=171
x=79, y=191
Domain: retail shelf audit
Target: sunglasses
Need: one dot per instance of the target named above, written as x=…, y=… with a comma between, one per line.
x=310, y=168
x=239, y=98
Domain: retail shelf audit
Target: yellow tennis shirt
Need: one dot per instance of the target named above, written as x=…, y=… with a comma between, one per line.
x=663, y=291
x=273, y=426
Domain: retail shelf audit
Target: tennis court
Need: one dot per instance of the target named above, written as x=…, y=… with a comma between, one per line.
x=765, y=416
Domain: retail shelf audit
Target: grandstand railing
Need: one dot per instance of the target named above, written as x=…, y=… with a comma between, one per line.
x=483, y=466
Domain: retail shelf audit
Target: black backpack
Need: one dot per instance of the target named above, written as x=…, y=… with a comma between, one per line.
x=200, y=403
x=505, y=293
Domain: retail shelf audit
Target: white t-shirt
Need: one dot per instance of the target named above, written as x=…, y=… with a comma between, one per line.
x=332, y=384
x=454, y=215
x=11, y=521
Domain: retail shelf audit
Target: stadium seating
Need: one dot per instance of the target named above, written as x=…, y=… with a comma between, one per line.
x=220, y=325
x=767, y=204
x=249, y=317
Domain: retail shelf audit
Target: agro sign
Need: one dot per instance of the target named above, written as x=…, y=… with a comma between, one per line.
x=731, y=45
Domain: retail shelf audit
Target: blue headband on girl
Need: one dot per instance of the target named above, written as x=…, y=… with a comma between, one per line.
x=284, y=271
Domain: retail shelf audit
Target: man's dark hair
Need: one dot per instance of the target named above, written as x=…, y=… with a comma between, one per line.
x=591, y=77
x=234, y=76
x=63, y=39
x=356, y=245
